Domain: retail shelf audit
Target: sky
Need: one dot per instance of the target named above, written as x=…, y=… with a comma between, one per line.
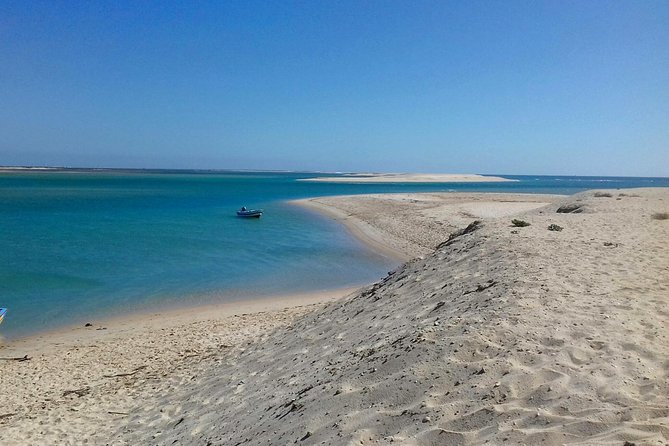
x=512, y=87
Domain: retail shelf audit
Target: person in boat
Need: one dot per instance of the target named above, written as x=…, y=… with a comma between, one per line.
x=243, y=208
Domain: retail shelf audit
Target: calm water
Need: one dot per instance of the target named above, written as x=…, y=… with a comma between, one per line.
x=80, y=246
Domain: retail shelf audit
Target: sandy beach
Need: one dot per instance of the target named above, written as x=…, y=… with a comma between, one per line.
x=42, y=394
x=488, y=334
x=405, y=226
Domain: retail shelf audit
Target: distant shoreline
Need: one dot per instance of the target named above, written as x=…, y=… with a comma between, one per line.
x=408, y=178
x=26, y=169
x=339, y=177
x=322, y=176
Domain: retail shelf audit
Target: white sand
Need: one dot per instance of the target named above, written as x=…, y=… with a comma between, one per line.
x=501, y=336
x=408, y=178
x=156, y=351
x=405, y=226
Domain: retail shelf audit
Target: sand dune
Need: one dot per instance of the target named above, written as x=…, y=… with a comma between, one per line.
x=502, y=335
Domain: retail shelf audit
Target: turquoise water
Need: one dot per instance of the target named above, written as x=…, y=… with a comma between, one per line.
x=76, y=246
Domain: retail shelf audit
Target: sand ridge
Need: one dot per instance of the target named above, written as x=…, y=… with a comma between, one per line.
x=408, y=225
x=518, y=335
x=502, y=335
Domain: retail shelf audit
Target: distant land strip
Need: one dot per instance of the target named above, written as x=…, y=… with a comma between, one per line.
x=408, y=178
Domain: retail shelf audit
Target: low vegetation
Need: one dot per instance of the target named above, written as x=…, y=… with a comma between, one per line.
x=660, y=216
x=603, y=194
x=554, y=227
x=519, y=223
x=571, y=208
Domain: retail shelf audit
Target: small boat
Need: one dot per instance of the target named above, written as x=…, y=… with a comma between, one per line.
x=3, y=311
x=249, y=213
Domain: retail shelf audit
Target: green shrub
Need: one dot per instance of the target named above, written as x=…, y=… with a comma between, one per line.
x=554, y=227
x=660, y=216
x=519, y=223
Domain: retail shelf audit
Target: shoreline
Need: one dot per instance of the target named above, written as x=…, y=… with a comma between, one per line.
x=543, y=334
x=370, y=235
x=409, y=178
x=437, y=213
x=365, y=233
x=169, y=317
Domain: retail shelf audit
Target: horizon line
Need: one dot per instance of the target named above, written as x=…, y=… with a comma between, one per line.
x=8, y=169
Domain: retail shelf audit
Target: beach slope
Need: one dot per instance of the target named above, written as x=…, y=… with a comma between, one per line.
x=409, y=225
x=503, y=334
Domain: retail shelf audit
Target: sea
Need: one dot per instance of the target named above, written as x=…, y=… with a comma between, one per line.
x=79, y=245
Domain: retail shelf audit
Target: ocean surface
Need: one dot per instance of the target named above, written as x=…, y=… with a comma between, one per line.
x=77, y=246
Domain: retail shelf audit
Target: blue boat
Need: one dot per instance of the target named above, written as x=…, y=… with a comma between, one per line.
x=249, y=213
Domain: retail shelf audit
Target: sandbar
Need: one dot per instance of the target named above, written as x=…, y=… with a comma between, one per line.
x=409, y=178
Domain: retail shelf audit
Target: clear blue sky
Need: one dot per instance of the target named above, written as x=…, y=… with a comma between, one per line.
x=538, y=87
